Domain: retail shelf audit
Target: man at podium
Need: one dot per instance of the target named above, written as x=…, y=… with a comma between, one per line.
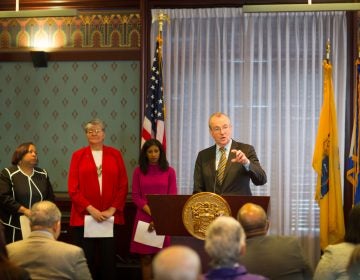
x=228, y=166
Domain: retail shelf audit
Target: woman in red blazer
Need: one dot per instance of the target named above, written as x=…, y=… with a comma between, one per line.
x=97, y=186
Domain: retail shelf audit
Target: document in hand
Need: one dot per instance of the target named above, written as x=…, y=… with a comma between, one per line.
x=25, y=226
x=93, y=228
x=142, y=235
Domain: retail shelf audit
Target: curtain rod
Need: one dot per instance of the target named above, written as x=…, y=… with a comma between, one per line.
x=301, y=7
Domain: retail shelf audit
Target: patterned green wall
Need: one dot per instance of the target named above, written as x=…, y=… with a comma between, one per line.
x=49, y=106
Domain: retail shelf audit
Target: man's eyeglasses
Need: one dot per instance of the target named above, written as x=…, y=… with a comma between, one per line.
x=219, y=129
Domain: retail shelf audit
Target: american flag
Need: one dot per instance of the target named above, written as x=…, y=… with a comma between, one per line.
x=154, y=119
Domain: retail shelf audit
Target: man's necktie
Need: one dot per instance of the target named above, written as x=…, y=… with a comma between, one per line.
x=221, y=167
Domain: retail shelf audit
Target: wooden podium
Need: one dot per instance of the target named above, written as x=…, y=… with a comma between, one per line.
x=166, y=211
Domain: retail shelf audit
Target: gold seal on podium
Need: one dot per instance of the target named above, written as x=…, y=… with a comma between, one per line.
x=200, y=210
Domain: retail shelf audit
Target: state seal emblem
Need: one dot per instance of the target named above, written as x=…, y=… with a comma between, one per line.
x=200, y=210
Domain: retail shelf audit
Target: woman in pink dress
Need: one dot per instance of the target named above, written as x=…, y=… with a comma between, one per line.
x=152, y=176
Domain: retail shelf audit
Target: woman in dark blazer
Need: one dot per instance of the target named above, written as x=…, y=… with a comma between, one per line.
x=21, y=185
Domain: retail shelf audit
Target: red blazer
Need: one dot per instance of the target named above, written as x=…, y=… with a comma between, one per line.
x=84, y=189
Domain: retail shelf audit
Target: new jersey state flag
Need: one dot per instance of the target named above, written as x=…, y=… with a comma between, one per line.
x=327, y=166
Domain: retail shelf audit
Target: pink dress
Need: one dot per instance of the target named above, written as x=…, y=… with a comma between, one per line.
x=155, y=181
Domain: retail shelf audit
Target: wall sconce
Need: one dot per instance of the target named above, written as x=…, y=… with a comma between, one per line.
x=39, y=58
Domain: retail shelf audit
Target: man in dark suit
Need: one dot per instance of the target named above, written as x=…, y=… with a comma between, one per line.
x=276, y=257
x=41, y=254
x=241, y=162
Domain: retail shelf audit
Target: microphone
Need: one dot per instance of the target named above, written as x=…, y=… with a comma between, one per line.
x=215, y=182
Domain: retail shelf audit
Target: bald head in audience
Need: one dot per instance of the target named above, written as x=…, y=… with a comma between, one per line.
x=253, y=219
x=274, y=256
x=177, y=263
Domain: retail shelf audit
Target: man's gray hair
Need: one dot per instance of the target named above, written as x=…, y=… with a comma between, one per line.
x=217, y=115
x=224, y=240
x=44, y=214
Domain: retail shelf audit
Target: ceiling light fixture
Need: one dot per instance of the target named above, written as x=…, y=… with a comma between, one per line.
x=301, y=7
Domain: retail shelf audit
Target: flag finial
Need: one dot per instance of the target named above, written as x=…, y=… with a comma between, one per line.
x=161, y=17
x=328, y=50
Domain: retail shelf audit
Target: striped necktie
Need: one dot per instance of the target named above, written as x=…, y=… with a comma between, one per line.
x=221, y=167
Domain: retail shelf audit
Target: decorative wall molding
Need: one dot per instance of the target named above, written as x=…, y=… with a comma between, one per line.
x=104, y=35
x=88, y=30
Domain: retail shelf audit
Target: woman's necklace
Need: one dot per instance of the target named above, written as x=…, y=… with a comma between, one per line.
x=99, y=170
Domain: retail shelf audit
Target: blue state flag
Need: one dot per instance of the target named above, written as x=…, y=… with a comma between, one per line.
x=353, y=170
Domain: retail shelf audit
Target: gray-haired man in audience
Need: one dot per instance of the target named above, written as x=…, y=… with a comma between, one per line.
x=225, y=243
x=41, y=254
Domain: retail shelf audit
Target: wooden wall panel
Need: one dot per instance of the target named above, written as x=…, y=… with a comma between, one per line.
x=6, y=5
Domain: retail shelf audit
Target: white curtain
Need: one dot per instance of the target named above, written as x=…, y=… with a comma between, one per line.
x=265, y=72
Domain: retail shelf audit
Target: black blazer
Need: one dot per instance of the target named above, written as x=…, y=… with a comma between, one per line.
x=236, y=178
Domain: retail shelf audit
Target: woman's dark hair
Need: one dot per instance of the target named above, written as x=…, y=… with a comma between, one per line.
x=144, y=161
x=20, y=151
x=352, y=234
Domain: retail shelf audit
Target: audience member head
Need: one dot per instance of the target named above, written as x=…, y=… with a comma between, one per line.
x=253, y=219
x=144, y=156
x=21, y=151
x=177, y=263
x=45, y=215
x=353, y=228
x=353, y=268
x=224, y=241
